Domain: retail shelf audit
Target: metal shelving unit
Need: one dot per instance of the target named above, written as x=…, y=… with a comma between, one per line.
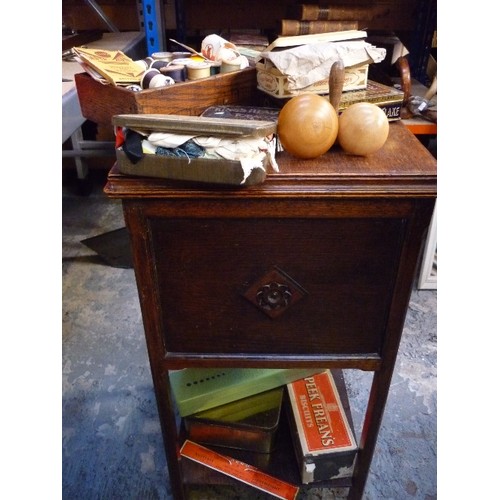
x=152, y=22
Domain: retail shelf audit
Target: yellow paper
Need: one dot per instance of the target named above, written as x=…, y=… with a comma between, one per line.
x=113, y=65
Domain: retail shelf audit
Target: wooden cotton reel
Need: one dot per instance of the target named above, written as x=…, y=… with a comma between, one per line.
x=363, y=127
x=308, y=123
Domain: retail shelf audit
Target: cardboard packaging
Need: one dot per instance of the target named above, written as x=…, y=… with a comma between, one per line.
x=247, y=171
x=236, y=469
x=296, y=64
x=271, y=81
x=324, y=442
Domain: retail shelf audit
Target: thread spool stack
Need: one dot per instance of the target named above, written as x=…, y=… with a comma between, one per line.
x=162, y=56
x=175, y=71
x=198, y=70
x=153, y=79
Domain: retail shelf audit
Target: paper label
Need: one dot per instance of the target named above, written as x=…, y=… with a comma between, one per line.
x=239, y=470
x=319, y=415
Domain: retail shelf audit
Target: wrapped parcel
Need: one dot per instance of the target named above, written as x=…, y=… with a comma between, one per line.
x=305, y=67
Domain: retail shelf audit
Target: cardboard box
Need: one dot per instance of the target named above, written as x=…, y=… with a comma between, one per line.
x=271, y=81
x=250, y=170
x=306, y=57
x=99, y=103
x=324, y=442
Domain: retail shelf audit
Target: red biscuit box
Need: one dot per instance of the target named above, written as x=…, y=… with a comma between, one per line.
x=324, y=443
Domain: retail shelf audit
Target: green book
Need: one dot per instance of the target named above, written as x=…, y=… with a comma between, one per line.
x=199, y=389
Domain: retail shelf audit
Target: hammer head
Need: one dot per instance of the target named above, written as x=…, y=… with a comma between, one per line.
x=417, y=104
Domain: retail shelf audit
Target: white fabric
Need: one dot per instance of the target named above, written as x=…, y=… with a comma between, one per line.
x=250, y=152
x=167, y=140
x=307, y=64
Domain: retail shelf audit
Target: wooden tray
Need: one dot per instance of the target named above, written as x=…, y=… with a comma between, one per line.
x=99, y=103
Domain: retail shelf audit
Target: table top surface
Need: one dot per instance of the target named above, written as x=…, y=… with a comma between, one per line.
x=403, y=166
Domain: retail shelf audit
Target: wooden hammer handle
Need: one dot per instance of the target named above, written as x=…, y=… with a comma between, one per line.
x=336, y=83
x=432, y=91
x=404, y=72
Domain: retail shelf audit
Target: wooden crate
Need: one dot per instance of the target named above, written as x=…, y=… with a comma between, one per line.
x=99, y=103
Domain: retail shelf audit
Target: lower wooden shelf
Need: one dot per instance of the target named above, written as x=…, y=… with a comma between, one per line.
x=281, y=463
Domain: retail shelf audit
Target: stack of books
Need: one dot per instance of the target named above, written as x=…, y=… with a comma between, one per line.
x=308, y=19
x=305, y=19
x=227, y=411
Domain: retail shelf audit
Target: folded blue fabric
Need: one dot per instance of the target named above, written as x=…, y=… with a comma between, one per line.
x=189, y=149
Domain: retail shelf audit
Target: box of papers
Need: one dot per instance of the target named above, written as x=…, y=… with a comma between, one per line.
x=296, y=64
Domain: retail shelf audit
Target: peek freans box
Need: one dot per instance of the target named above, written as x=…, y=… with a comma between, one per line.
x=324, y=442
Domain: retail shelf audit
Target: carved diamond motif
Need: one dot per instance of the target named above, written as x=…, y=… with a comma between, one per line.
x=274, y=292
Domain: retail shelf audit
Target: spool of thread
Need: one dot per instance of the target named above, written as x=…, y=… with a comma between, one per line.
x=134, y=88
x=162, y=56
x=143, y=64
x=215, y=67
x=180, y=55
x=160, y=81
x=147, y=77
x=175, y=71
x=153, y=79
x=196, y=58
x=229, y=66
x=159, y=64
x=198, y=70
x=183, y=60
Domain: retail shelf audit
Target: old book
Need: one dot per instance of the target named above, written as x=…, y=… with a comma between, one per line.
x=291, y=27
x=248, y=38
x=312, y=12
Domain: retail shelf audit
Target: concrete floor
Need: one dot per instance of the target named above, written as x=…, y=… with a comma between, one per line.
x=112, y=447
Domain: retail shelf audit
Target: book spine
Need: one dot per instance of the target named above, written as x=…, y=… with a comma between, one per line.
x=292, y=27
x=309, y=12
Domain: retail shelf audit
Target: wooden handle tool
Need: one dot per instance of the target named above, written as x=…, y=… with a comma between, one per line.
x=336, y=83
